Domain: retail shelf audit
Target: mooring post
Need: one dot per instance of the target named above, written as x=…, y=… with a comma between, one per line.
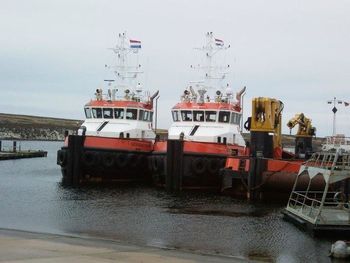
x=257, y=168
x=174, y=166
x=75, y=145
x=14, y=146
x=77, y=153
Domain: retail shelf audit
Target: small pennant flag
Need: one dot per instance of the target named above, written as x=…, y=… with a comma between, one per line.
x=135, y=43
x=346, y=103
x=219, y=42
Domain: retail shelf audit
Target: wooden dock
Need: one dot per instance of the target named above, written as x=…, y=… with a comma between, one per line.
x=21, y=154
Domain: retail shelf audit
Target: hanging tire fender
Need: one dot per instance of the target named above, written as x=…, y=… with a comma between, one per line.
x=199, y=165
x=214, y=166
x=89, y=158
x=121, y=160
x=108, y=160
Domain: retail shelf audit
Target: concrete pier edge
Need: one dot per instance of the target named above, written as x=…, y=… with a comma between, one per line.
x=111, y=248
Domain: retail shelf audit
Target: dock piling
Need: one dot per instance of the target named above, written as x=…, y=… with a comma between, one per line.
x=174, y=166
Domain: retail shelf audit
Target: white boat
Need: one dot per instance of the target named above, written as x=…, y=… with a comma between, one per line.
x=117, y=135
x=207, y=119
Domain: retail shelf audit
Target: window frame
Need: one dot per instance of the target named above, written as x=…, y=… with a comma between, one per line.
x=227, y=114
x=207, y=112
x=121, y=112
x=111, y=112
x=183, y=112
x=95, y=113
x=130, y=110
x=86, y=110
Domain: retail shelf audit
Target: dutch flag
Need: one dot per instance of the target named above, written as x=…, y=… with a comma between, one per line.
x=219, y=42
x=135, y=43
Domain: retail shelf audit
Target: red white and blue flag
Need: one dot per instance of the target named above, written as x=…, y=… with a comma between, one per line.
x=219, y=42
x=135, y=43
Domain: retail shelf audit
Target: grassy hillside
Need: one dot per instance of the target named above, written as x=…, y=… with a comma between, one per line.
x=13, y=126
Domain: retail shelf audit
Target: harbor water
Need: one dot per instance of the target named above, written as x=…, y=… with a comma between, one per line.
x=33, y=199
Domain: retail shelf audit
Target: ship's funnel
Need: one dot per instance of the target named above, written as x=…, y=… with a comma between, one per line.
x=153, y=97
x=240, y=94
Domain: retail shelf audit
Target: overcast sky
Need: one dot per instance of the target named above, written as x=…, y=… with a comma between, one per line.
x=52, y=53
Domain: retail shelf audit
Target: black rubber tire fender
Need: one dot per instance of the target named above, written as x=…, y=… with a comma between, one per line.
x=108, y=160
x=122, y=160
x=199, y=165
x=214, y=165
x=133, y=160
x=89, y=158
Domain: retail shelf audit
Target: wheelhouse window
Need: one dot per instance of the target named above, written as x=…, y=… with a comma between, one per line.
x=186, y=115
x=141, y=115
x=224, y=116
x=146, y=115
x=175, y=115
x=235, y=118
x=97, y=113
x=150, y=116
x=131, y=114
x=88, y=113
x=198, y=115
x=107, y=113
x=119, y=113
x=210, y=116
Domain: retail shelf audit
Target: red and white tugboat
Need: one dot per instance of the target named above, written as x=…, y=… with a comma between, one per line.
x=205, y=129
x=115, y=140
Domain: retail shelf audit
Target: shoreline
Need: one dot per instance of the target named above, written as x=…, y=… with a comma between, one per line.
x=27, y=246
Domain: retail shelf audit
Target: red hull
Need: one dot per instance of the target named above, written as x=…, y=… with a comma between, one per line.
x=200, y=164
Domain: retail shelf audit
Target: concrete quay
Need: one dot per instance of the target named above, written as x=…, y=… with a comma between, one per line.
x=26, y=247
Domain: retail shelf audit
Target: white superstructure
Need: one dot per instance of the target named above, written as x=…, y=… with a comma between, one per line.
x=125, y=110
x=205, y=117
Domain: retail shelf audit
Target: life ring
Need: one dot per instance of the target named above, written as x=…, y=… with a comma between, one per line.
x=199, y=165
x=89, y=158
x=214, y=166
x=108, y=160
x=61, y=157
x=121, y=160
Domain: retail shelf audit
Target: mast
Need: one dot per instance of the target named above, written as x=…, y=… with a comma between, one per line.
x=211, y=71
x=126, y=70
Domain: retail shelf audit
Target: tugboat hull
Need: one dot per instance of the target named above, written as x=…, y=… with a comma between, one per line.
x=90, y=165
x=180, y=167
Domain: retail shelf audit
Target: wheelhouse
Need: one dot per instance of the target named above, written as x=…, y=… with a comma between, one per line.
x=119, y=113
x=211, y=116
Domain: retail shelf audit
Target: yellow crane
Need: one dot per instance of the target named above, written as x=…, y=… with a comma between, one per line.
x=265, y=126
x=305, y=128
x=303, y=138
